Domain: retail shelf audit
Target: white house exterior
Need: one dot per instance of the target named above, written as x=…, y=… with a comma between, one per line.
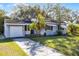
x=14, y=28
x=52, y=28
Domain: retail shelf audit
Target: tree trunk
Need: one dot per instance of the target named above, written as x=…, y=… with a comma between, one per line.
x=59, y=29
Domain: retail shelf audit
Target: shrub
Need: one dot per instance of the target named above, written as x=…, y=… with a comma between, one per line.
x=69, y=28
x=76, y=29
x=73, y=29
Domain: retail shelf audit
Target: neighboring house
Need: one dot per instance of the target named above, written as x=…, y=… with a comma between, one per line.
x=19, y=28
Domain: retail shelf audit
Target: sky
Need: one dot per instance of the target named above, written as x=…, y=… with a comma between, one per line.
x=9, y=6
x=73, y=6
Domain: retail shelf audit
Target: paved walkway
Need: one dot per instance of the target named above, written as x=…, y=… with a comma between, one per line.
x=36, y=49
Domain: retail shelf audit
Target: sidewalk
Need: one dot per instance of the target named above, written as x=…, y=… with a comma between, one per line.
x=36, y=49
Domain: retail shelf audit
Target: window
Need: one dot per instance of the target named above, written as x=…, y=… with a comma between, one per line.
x=62, y=28
x=49, y=28
x=26, y=27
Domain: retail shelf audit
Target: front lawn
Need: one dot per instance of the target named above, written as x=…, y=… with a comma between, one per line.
x=64, y=44
x=10, y=48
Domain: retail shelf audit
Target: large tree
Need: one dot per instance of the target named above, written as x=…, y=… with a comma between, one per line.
x=2, y=16
x=59, y=13
x=22, y=11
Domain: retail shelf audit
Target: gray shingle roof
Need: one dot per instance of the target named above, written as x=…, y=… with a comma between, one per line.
x=16, y=21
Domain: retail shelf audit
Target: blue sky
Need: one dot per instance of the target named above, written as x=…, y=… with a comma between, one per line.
x=73, y=6
x=9, y=6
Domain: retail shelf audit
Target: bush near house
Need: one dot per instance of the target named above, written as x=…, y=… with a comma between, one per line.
x=76, y=29
x=73, y=29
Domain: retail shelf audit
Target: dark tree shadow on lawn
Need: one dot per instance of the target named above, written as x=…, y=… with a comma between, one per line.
x=11, y=39
x=5, y=40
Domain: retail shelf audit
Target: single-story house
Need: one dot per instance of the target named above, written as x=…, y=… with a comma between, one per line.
x=19, y=28
x=16, y=28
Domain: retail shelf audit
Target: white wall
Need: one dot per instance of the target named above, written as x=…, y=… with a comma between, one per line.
x=42, y=31
x=65, y=28
x=52, y=32
x=27, y=32
x=6, y=30
x=49, y=32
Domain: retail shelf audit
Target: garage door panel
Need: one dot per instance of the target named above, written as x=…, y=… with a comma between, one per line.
x=16, y=31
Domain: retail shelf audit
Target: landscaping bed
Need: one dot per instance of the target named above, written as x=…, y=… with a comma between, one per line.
x=67, y=45
x=9, y=48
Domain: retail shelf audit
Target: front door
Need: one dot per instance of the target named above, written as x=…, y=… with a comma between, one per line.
x=32, y=31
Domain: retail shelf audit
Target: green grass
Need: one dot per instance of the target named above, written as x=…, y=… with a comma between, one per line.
x=10, y=48
x=64, y=44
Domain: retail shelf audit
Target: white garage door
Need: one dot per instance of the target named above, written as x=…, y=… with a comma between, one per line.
x=16, y=31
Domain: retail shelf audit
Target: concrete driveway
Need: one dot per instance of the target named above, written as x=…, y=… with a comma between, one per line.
x=36, y=49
